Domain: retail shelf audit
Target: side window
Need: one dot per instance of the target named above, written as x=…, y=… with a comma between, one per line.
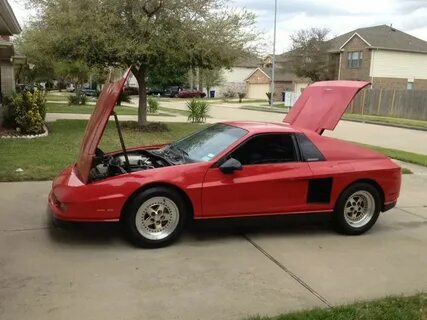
x=267, y=148
x=308, y=150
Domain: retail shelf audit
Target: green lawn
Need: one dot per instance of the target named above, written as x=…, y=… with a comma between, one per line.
x=58, y=96
x=43, y=158
x=182, y=112
x=410, y=123
x=392, y=308
x=415, y=158
x=87, y=109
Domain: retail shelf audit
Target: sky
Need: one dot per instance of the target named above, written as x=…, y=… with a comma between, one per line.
x=339, y=16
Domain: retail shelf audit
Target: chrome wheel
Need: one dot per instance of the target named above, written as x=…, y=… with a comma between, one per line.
x=359, y=209
x=157, y=218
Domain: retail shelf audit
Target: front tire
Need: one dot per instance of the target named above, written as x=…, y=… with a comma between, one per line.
x=155, y=217
x=357, y=209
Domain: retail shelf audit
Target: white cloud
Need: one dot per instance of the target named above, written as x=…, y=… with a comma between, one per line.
x=339, y=16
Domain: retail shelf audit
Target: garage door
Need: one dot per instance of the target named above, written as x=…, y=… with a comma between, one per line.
x=258, y=91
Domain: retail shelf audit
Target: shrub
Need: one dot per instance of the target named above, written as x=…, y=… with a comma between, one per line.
x=241, y=96
x=26, y=111
x=268, y=96
x=124, y=97
x=77, y=99
x=153, y=105
x=198, y=110
x=229, y=93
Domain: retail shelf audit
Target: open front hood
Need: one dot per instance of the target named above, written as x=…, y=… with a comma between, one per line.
x=322, y=104
x=97, y=123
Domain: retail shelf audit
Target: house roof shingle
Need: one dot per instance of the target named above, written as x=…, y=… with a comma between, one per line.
x=283, y=75
x=382, y=37
x=248, y=62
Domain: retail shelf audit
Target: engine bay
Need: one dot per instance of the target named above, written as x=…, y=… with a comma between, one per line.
x=110, y=165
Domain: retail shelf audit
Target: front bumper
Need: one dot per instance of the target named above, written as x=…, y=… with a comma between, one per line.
x=72, y=200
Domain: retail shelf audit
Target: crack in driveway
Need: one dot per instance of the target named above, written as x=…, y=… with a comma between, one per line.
x=289, y=272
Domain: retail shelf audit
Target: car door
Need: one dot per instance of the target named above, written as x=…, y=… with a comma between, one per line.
x=272, y=179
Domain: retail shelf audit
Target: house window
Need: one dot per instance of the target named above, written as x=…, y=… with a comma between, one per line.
x=410, y=85
x=354, y=59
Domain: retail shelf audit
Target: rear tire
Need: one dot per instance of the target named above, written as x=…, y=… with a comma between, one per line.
x=357, y=209
x=155, y=217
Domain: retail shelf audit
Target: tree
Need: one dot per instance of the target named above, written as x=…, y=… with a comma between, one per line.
x=309, y=54
x=211, y=78
x=146, y=34
x=163, y=76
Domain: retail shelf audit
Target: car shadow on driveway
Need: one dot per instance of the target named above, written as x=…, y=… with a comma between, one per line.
x=200, y=231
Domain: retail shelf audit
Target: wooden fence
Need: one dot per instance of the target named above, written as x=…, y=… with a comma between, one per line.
x=410, y=104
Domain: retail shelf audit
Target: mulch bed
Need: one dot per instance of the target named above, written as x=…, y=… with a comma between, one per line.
x=8, y=132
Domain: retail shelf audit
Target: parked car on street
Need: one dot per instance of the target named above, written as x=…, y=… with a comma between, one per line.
x=230, y=169
x=172, y=91
x=89, y=92
x=191, y=94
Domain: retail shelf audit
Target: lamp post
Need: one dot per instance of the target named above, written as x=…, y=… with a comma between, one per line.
x=274, y=55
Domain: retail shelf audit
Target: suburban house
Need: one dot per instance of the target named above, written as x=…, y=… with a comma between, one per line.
x=8, y=27
x=235, y=77
x=259, y=83
x=383, y=55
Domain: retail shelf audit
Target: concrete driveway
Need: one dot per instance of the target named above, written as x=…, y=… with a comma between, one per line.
x=218, y=270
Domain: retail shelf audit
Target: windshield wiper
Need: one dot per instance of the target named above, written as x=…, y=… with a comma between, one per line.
x=184, y=154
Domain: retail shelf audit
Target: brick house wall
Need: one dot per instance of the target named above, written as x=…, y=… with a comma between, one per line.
x=389, y=83
x=282, y=86
x=362, y=73
x=258, y=77
x=420, y=84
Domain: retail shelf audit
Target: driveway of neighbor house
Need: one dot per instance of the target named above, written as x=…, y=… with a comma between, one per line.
x=216, y=271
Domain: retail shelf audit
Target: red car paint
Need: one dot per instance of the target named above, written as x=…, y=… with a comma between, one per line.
x=264, y=189
x=333, y=96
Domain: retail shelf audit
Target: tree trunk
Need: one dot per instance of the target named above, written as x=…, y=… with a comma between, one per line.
x=139, y=74
x=200, y=79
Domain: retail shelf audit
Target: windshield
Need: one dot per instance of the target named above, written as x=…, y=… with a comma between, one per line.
x=208, y=143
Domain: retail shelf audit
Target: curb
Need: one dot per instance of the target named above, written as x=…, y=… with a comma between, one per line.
x=385, y=124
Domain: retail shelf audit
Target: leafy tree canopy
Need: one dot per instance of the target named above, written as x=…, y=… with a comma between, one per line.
x=146, y=34
x=309, y=54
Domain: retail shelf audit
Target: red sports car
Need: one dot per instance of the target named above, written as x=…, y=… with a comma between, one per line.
x=230, y=169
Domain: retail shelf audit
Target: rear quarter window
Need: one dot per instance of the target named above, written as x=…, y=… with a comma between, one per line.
x=309, y=151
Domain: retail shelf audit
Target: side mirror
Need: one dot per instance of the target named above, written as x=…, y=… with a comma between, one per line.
x=230, y=165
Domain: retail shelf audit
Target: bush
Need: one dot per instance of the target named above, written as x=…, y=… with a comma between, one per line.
x=77, y=100
x=268, y=96
x=153, y=105
x=198, y=110
x=229, y=94
x=26, y=111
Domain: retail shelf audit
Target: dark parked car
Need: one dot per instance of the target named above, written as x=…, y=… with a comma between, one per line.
x=191, y=94
x=172, y=91
x=89, y=92
x=155, y=92
x=131, y=91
